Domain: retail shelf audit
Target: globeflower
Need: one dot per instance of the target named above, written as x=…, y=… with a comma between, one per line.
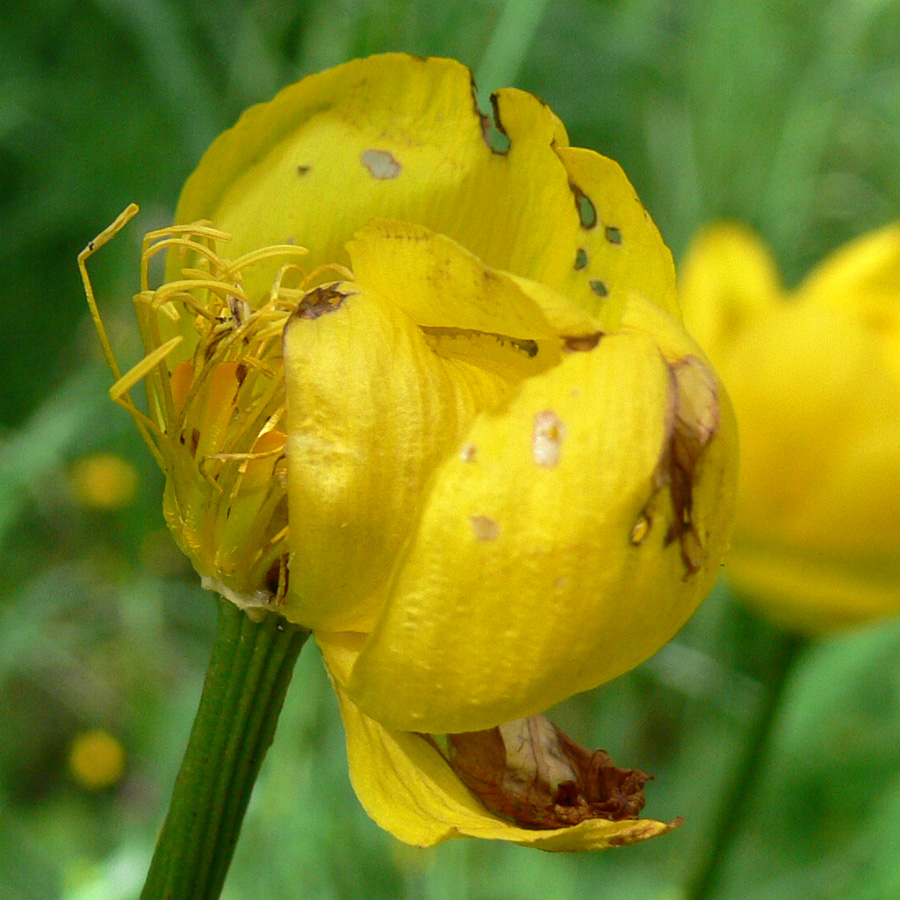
x=815, y=379
x=431, y=399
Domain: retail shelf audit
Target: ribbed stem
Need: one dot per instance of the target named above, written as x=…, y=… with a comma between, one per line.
x=246, y=682
x=755, y=749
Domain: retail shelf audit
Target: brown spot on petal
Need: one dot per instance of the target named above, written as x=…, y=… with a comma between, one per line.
x=381, y=164
x=693, y=422
x=320, y=301
x=468, y=453
x=484, y=528
x=531, y=772
x=582, y=342
x=548, y=434
x=302, y=170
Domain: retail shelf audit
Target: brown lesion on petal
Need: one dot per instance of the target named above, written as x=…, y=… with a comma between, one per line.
x=581, y=343
x=322, y=300
x=692, y=423
x=531, y=772
x=484, y=528
x=526, y=346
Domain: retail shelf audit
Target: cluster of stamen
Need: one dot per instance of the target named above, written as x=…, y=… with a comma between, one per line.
x=215, y=419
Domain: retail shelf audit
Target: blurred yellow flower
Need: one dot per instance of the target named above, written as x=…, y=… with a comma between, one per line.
x=815, y=379
x=103, y=481
x=468, y=444
x=96, y=759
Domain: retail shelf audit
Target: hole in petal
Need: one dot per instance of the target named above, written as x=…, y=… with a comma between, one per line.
x=587, y=212
x=493, y=132
x=581, y=259
x=613, y=235
x=381, y=164
x=599, y=288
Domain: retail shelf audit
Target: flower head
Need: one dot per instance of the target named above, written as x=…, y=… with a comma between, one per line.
x=815, y=379
x=461, y=434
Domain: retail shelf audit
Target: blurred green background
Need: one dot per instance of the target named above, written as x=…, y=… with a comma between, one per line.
x=784, y=114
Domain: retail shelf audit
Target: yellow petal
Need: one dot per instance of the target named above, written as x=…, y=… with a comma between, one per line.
x=861, y=280
x=440, y=284
x=623, y=252
x=815, y=381
x=808, y=385
x=812, y=591
x=409, y=789
x=543, y=562
x=727, y=282
x=371, y=411
x=398, y=137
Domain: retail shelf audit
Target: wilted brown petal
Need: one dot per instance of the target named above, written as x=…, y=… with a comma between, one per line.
x=529, y=771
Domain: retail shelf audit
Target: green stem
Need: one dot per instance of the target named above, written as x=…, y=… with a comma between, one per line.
x=732, y=812
x=246, y=682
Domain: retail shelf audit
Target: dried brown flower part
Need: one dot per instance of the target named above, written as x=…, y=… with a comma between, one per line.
x=530, y=771
x=694, y=422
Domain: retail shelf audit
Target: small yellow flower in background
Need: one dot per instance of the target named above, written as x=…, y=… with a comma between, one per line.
x=434, y=402
x=96, y=760
x=815, y=379
x=103, y=481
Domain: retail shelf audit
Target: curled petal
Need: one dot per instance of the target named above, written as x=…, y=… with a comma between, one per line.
x=518, y=586
x=407, y=786
x=398, y=137
x=371, y=411
x=440, y=284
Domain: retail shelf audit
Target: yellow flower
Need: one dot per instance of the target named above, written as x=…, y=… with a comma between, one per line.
x=96, y=759
x=487, y=466
x=815, y=380
x=103, y=481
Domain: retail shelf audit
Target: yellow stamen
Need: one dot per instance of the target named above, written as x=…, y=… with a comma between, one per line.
x=127, y=381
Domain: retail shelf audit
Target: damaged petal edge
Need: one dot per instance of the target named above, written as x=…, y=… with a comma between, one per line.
x=530, y=772
x=692, y=421
x=322, y=300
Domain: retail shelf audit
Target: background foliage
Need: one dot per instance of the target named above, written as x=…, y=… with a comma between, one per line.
x=783, y=114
